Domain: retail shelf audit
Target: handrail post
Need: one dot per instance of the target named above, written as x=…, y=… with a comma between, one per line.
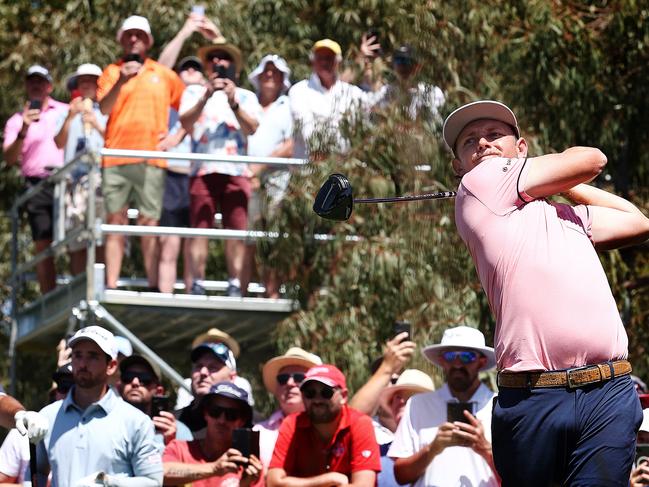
x=15, y=283
x=91, y=224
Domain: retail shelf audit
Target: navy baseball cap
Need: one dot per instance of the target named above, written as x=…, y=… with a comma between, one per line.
x=219, y=350
x=231, y=390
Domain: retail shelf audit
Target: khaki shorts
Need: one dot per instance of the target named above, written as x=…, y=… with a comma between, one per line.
x=139, y=183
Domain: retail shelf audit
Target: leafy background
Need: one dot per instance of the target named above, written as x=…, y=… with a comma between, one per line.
x=574, y=72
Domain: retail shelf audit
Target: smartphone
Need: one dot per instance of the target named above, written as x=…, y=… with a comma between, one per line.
x=35, y=104
x=198, y=10
x=400, y=327
x=133, y=57
x=159, y=403
x=377, y=40
x=455, y=411
x=246, y=441
x=223, y=72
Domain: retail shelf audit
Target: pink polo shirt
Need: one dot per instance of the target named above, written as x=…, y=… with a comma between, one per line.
x=546, y=287
x=39, y=150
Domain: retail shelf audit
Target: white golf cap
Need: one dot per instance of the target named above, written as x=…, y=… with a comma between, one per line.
x=458, y=339
x=279, y=62
x=38, y=70
x=86, y=69
x=101, y=336
x=136, y=22
x=477, y=110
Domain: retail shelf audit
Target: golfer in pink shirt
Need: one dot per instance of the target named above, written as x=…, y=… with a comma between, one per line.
x=567, y=412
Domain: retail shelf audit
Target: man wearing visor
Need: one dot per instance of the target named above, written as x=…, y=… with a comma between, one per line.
x=327, y=444
x=567, y=411
x=432, y=445
x=220, y=118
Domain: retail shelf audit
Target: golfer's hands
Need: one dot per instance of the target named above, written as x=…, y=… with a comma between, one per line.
x=228, y=462
x=640, y=475
x=398, y=352
x=251, y=472
x=32, y=424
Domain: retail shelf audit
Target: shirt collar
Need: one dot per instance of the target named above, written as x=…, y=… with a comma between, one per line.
x=315, y=83
x=303, y=420
x=481, y=396
x=107, y=403
x=276, y=418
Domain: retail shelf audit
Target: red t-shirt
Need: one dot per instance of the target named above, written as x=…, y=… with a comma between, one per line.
x=190, y=452
x=301, y=452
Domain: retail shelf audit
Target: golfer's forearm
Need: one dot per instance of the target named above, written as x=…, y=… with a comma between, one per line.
x=408, y=470
x=8, y=409
x=583, y=194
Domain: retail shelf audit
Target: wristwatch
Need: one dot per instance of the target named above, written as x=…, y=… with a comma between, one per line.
x=235, y=107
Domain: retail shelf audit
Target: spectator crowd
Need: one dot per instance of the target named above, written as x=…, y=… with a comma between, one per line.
x=195, y=105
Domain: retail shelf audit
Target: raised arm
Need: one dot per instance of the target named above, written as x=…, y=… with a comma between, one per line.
x=616, y=221
x=555, y=173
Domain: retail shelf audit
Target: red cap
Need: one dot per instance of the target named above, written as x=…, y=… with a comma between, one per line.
x=327, y=374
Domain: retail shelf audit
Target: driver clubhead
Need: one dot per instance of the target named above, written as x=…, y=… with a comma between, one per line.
x=335, y=199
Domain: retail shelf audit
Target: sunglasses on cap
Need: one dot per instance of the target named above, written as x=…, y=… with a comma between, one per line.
x=143, y=378
x=231, y=414
x=465, y=357
x=325, y=392
x=282, y=379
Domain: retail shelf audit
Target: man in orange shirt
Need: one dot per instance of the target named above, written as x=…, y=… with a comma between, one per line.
x=136, y=92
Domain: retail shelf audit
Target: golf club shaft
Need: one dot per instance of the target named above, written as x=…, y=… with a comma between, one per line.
x=415, y=197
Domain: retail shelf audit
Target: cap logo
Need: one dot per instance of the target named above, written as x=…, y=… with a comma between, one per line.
x=228, y=389
x=318, y=370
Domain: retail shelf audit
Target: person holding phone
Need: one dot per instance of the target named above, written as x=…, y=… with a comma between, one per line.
x=213, y=461
x=431, y=448
x=136, y=93
x=29, y=142
x=220, y=118
x=139, y=385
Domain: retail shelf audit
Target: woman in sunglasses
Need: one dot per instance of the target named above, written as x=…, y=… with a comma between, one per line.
x=211, y=461
x=283, y=376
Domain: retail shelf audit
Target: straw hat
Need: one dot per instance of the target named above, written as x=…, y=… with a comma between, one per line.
x=293, y=356
x=221, y=45
x=411, y=380
x=214, y=335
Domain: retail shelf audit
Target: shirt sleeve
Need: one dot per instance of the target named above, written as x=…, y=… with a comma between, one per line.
x=496, y=184
x=11, y=454
x=280, y=453
x=107, y=79
x=365, y=449
x=146, y=459
x=177, y=89
x=12, y=127
x=63, y=114
x=173, y=452
x=405, y=438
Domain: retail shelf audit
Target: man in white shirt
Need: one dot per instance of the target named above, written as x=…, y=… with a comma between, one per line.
x=320, y=103
x=431, y=449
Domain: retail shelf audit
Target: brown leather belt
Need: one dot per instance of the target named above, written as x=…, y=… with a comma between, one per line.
x=570, y=378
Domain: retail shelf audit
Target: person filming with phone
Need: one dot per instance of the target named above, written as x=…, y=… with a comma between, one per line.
x=443, y=437
x=218, y=460
x=139, y=385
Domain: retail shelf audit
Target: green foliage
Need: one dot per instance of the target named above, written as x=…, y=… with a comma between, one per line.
x=573, y=72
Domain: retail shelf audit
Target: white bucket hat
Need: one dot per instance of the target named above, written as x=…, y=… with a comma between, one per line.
x=411, y=380
x=279, y=62
x=136, y=22
x=86, y=69
x=477, y=110
x=461, y=338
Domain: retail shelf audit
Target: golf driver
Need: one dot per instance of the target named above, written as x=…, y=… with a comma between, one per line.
x=335, y=200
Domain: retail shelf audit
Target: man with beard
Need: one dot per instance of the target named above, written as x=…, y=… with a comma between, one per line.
x=95, y=437
x=139, y=383
x=212, y=462
x=283, y=376
x=430, y=449
x=327, y=444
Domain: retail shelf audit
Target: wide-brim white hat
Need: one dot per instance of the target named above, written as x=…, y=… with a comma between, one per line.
x=293, y=356
x=279, y=62
x=457, y=339
x=136, y=22
x=411, y=380
x=477, y=110
x=86, y=69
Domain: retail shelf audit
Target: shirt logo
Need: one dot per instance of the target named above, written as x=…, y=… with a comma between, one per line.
x=366, y=453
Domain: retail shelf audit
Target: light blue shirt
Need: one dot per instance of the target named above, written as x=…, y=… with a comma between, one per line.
x=109, y=436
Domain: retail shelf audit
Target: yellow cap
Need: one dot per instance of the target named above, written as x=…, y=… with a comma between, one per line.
x=333, y=46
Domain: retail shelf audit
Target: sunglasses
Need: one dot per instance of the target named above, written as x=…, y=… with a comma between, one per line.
x=143, y=378
x=282, y=379
x=465, y=357
x=324, y=392
x=231, y=414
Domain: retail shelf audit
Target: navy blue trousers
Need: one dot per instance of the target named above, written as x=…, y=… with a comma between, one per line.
x=566, y=437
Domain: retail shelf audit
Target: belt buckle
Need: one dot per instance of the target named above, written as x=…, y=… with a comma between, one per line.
x=572, y=385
